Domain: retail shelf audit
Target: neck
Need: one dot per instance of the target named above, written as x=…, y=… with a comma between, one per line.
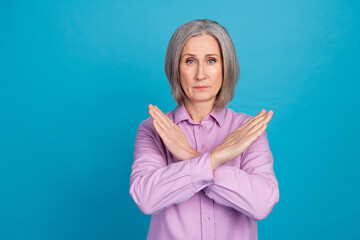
x=198, y=111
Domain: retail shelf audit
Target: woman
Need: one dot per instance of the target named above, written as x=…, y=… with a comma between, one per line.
x=203, y=171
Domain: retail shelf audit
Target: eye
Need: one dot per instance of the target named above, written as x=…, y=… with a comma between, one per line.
x=212, y=61
x=189, y=61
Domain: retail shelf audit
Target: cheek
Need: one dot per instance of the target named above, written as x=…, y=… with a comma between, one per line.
x=186, y=72
x=185, y=78
x=184, y=84
x=218, y=76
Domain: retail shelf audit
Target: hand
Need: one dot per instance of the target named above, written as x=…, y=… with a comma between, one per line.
x=171, y=134
x=236, y=142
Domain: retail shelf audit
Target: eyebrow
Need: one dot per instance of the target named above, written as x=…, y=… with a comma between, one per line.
x=193, y=55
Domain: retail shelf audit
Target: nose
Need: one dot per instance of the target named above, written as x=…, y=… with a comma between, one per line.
x=201, y=72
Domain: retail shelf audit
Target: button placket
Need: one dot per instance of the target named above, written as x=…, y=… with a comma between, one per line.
x=206, y=204
x=199, y=132
x=207, y=211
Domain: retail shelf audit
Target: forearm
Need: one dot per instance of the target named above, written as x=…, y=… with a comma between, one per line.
x=252, y=195
x=154, y=190
x=216, y=158
x=251, y=189
x=188, y=153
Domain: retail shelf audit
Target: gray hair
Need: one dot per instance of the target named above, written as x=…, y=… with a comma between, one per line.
x=230, y=61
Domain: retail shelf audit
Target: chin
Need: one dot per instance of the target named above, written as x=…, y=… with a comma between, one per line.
x=201, y=99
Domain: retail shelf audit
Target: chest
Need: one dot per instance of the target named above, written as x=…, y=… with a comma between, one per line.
x=205, y=137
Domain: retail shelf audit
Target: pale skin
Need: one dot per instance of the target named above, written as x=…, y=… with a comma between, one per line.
x=201, y=79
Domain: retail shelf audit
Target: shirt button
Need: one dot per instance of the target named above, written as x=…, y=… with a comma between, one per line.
x=203, y=147
x=204, y=182
x=207, y=218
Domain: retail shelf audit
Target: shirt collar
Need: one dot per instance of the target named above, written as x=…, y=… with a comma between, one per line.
x=181, y=114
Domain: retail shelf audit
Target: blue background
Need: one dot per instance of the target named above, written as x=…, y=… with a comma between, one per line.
x=76, y=78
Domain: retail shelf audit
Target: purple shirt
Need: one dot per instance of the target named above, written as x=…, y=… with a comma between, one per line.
x=186, y=199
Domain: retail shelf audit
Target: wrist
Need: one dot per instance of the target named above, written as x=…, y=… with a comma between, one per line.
x=215, y=158
x=191, y=152
x=194, y=153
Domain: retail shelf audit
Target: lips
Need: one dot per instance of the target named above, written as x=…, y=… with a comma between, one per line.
x=200, y=87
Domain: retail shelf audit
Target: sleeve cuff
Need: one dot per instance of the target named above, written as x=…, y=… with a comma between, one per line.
x=201, y=172
x=221, y=172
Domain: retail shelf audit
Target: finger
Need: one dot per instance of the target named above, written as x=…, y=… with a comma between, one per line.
x=159, y=130
x=151, y=110
x=163, y=114
x=154, y=111
x=257, y=116
x=152, y=114
x=258, y=132
x=259, y=124
x=250, y=123
x=263, y=119
x=160, y=122
x=170, y=137
x=158, y=116
x=163, y=118
x=164, y=127
x=150, y=106
x=261, y=112
x=269, y=116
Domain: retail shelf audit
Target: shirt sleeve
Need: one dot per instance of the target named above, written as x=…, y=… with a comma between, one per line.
x=251, y=189
x=154, y=185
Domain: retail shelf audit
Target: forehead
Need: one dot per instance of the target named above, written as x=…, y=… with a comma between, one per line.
x=202, y=44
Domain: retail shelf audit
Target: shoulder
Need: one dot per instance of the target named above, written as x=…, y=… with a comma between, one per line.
x=233, y=120
x=240, y=119
x=147, y=124
x=236, y=118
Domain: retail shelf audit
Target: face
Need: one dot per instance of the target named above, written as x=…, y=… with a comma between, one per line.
x=201, y=69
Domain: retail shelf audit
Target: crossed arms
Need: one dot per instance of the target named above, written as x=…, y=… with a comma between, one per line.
x=251, y=189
